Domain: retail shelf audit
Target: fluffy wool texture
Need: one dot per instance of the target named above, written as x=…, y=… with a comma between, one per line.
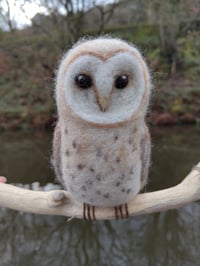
x=102, y=157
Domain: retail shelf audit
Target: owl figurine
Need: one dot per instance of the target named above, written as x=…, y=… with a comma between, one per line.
x=101, y=144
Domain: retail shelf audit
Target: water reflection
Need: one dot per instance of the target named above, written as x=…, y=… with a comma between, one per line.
x=25, y=157
x=168, y=238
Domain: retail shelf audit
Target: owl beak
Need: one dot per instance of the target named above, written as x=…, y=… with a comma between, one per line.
x=103, y=102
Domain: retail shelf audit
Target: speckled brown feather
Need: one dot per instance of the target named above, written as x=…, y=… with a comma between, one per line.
x=56, y=156
x=145, y=157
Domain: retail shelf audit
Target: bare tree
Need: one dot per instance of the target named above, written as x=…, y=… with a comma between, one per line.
x=106, y=12
x=65, y=21
x=6, y=15
x=170, y=16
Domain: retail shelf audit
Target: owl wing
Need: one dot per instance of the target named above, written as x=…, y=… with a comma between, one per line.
x=56, y=156
x=145, y=156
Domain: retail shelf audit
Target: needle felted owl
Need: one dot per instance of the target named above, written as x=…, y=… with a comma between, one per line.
x=101, y=145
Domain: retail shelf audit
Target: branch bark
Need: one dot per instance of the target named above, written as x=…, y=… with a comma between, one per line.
x=58, y=202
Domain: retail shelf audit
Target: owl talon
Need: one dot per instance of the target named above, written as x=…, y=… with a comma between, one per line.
x=88, y=212
x=121, y=211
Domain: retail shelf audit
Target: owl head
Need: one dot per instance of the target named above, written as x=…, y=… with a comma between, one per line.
x=103, y=81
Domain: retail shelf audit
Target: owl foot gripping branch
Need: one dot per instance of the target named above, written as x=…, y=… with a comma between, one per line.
x=59, y=202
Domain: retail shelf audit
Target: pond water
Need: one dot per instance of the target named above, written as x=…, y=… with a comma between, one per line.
x=167, y=238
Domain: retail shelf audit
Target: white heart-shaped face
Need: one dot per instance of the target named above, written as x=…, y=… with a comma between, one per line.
x=121, y=103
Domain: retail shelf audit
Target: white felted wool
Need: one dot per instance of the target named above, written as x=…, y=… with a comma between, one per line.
x=101, y=144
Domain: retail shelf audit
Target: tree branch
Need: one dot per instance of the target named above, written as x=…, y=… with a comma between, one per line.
x=58, y=202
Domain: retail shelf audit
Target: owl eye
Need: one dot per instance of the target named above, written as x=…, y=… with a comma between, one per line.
x=121, y=82
x=83, y=81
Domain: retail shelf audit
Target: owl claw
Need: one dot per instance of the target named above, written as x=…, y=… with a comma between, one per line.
x=121, y=211
x=88, y=212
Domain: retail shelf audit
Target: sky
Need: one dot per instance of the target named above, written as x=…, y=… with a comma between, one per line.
x=30, y=10
x=20, y=17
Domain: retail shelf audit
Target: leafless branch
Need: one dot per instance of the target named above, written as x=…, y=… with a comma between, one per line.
x=58, y=202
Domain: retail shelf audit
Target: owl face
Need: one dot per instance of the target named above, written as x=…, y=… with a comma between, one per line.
x=104, y=81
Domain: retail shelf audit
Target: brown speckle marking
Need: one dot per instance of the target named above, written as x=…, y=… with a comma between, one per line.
x=131, y=171
x=117, y=160
x=128, y=190
x=80, y=166
x=83, y=195
x=116, y=138
x=122, y=177
x=74, y=145
x=134, y=148
x=99, y=152
x=89, y=183
x=66, y=131
x=130, y=141
x=84, y=188
x=67, y=152
x=106, y=195
x=123, y=190
x=98, y=192
x=106, y=157
x=91, y=169
x=118, y=184
x=98, y=178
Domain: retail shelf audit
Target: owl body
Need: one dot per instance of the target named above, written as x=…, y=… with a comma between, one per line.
x=101, y=146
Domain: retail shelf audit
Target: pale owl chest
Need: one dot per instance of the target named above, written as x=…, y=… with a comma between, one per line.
x=101, y=166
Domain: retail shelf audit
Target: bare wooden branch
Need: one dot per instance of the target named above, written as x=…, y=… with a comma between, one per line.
x=58, y=202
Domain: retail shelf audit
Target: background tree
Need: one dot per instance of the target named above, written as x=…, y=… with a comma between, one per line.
x=7, y=17
x=68, y=20
x=170, y=16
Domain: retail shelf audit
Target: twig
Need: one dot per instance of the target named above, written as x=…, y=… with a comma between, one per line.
x=58, y=202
